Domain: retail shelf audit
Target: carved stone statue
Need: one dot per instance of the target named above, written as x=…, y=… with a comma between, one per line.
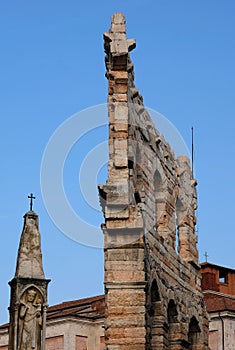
x=30, y=321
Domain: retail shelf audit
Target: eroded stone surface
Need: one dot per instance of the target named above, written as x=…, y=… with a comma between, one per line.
x=153, y=286
x=29, y=262
x=28, y=302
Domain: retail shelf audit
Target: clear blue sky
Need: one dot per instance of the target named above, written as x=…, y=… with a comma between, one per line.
x=52, y=66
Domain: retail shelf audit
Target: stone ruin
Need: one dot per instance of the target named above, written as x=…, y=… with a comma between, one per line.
x=152, y=276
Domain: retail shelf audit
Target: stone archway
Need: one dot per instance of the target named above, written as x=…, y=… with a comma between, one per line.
x=156, y=320
x=174, y=334
x=193, y=333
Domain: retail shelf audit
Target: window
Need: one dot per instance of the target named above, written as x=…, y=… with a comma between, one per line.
x=213, y=340
x=55, y=343
x=223, y=276
x=81, y=342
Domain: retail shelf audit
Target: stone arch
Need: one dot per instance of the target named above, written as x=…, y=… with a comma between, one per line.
x=173, y=331
x=31, y=286
x=186, y=205
x=194, y=332
x=155, y=295
x=155, y=317
x=179, y=209
x=138, y=172
x=159, y=192
x=156, y=302
x=172, y=312
x=164, y=206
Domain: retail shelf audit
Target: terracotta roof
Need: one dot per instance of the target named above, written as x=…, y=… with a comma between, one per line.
x=215, y=302
x=5, y=325
x=89, y=308
x=208, y=264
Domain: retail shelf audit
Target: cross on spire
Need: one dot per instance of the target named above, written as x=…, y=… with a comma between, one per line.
x=206, y=256
x=31, y=197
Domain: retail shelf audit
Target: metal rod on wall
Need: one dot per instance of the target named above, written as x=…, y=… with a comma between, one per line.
x=192, y=152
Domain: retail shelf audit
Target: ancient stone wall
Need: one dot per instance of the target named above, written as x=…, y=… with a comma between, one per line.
x=152, y=277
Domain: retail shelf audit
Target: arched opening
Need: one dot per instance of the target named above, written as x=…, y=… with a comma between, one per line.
x=155, y=296
x=138, y=173
x=172, y=312
x=187, y=238
x=35, y=289
x=159, y=203
x=164, y=208
x=193, y=333
x=155, y=318
x=173, y=324
x=179, y=210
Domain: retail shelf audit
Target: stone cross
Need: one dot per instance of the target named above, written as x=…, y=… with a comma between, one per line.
x=31, y=197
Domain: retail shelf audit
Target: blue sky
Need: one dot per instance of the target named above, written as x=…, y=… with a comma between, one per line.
x=52, y=66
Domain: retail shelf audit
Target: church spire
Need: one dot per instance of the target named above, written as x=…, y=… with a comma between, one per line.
x=28, y=303
x=29, y=261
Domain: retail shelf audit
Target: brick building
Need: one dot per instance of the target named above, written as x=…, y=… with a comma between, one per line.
x=72, y=325
x=218, y=284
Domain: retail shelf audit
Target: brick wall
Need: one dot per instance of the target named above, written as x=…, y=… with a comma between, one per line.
x=55, y=343
x=102, y=343
x=213, y=340
x=81, y=343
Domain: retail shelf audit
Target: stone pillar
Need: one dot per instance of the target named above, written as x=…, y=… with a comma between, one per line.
x=28, y=302
x=123, y=228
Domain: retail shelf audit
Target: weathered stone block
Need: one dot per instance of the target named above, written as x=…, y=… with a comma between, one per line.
x=120, y=153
